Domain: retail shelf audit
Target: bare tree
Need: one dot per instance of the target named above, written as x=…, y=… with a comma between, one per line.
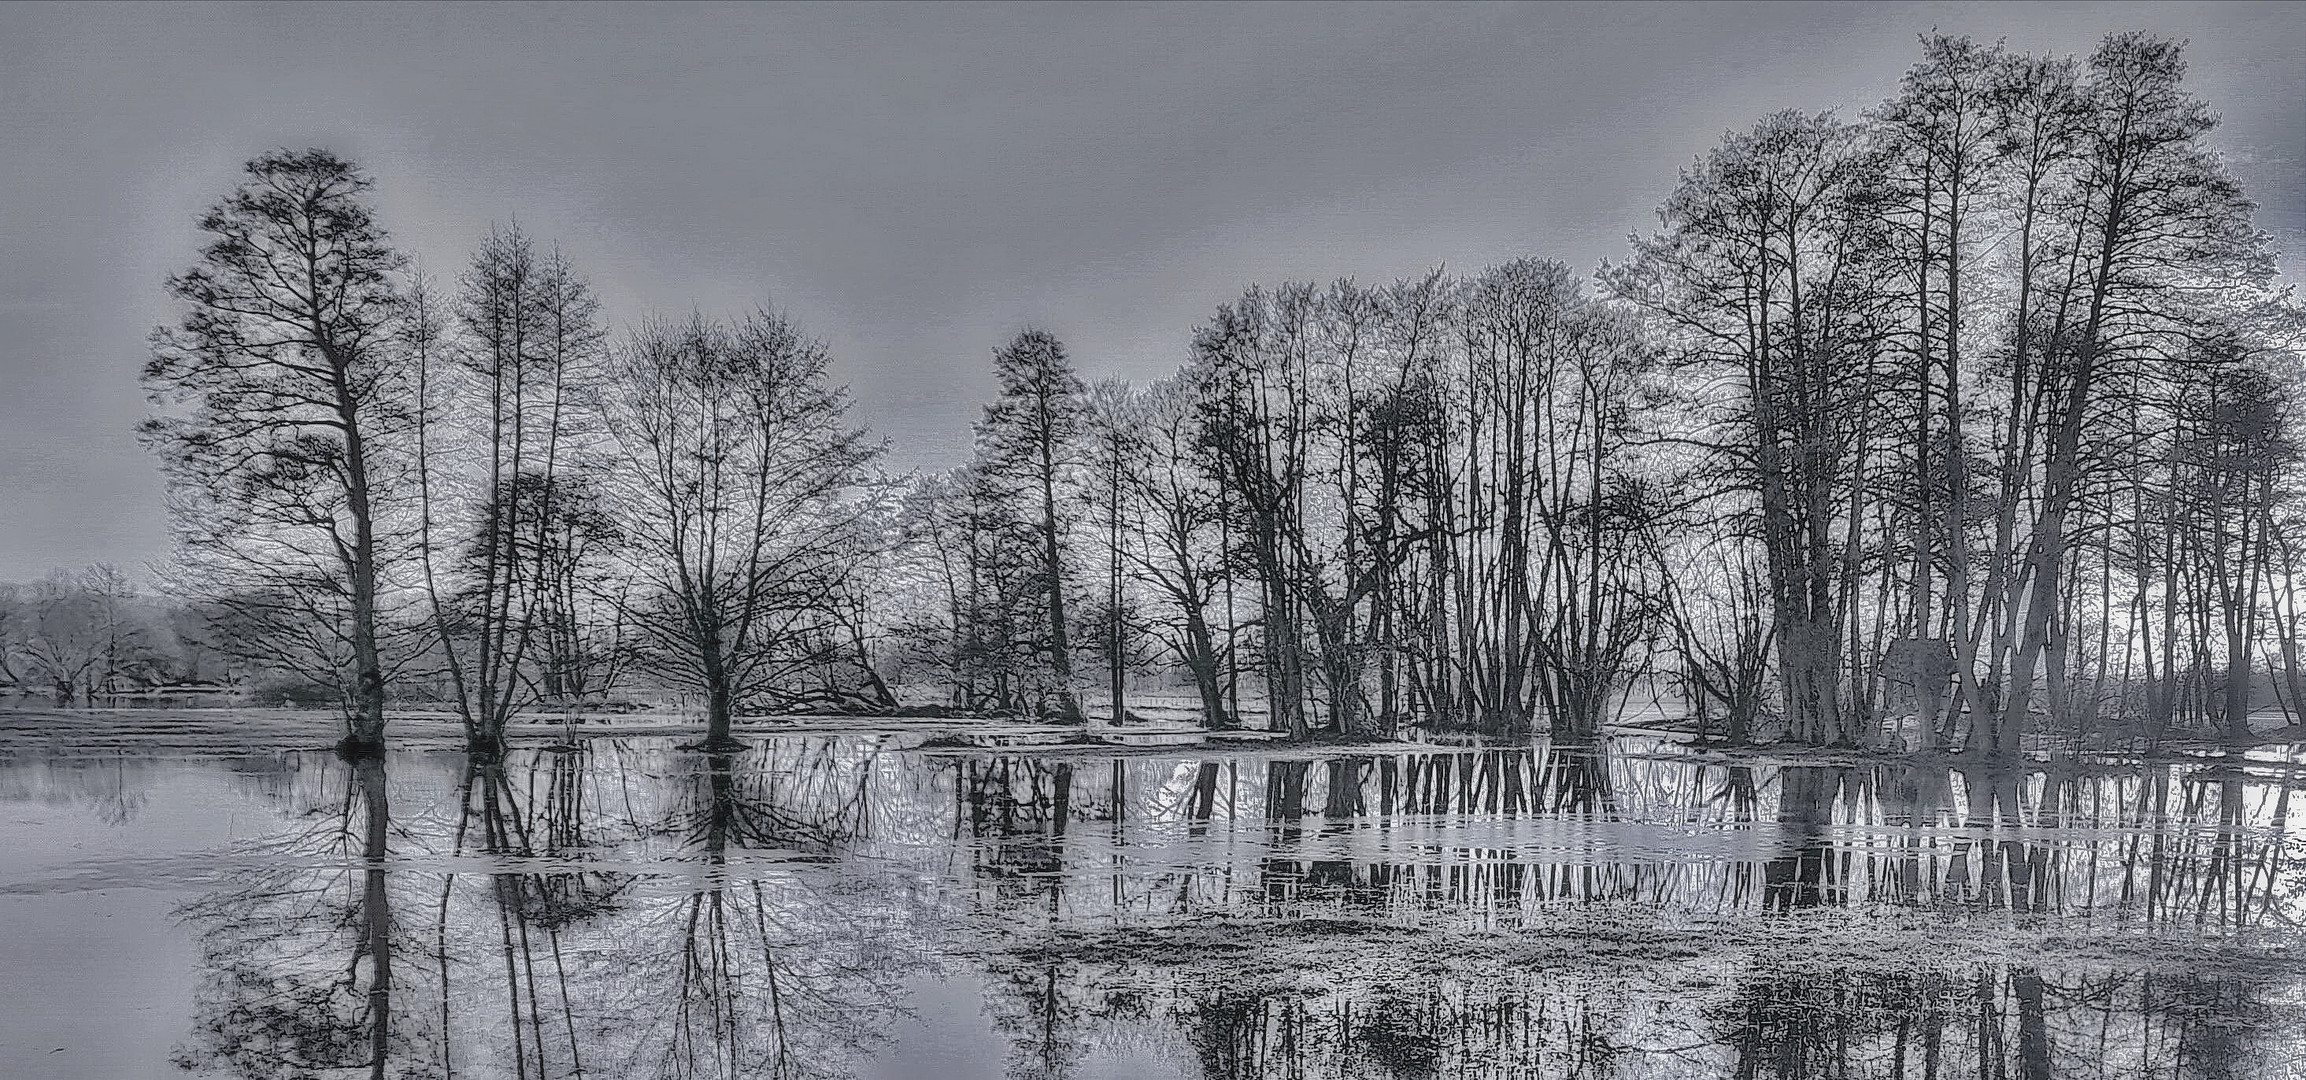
x=84, y=631
x=1769, y=269
x=506, y=533
x=1113, y=432
x=736, y=481
x=1026, y=446
x=1178, y=551
x=282, y=406
x=1251, y=371
x=2156, y=228
x=1559, y=522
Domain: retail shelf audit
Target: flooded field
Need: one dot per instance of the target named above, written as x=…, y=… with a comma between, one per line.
x=853, y=904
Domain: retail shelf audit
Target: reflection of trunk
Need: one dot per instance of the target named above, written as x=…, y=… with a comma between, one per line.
x=1060, y=798
x=1806, y=876
x=2033, y=1032
x=713, y=980
x=1051, y=867
x=520, y=900
x=1225, y=1029
x=1583, y=783
x=2228, y=873
x=1203, y=803
x=1344, y=794
x=1738, y=789
x=722, y=812
x=1933, y=1026
x=564, y=798
x=375, y=912
x=1285, y=794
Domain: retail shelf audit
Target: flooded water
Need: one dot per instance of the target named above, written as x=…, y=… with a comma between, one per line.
x=854, y=905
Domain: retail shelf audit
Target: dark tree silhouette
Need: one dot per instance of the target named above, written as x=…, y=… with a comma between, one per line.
x=283, y=406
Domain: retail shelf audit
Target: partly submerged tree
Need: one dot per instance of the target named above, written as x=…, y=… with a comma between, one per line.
x=1026, y=448
x=737, y=483
x=1769, y=270
x=501, y=478
x=281, y=401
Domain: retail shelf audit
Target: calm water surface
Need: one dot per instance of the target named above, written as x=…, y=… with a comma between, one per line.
x=854, y=906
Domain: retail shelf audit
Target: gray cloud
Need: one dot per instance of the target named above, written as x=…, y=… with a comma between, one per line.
x=915, y=182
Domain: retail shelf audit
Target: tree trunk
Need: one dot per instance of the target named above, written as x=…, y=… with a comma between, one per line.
x=1201, y=659
x=720, y=713
x=1060, y=657
x=367, y=727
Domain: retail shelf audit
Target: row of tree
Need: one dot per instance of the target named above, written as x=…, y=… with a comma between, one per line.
x=384, y=482
x=1978, y=408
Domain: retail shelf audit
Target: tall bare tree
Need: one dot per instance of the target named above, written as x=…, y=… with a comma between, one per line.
x=1026, y=444
x=1178, y=552
x=282, y=409
x=737, y=480
x=506, y=531
x=1769, y=268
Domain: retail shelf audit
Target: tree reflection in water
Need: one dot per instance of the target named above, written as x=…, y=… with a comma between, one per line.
x=625, y=908
x=1536, y=840
x=1989, y=1021
x=298, y=958
x=543, y=956
x=774, y=973
x=538, y=889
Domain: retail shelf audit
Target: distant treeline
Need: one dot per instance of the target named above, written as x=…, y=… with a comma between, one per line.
x=85, y=635
x=1978, y=408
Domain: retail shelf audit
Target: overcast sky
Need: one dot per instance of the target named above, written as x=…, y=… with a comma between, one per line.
x=915, y=183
